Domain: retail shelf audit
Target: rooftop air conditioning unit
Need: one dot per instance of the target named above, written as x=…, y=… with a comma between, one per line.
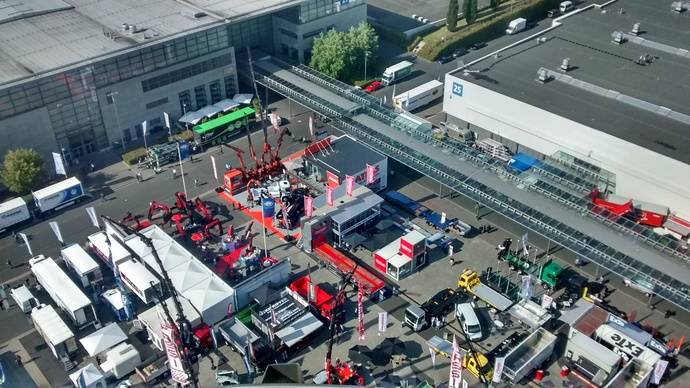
x=543, y=76
x=677, y=6
x=565, y=64
x=617, y=37
x=636, y=29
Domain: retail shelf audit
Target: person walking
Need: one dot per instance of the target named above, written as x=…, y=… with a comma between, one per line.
x=174, y=173
x=9, y=263
x=139, y=177
x=196, y=182
x=93, y=167
x=16, y=236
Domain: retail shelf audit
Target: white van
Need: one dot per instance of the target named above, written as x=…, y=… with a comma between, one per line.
x=24, y=299
x=566, y=6
x=469, y=321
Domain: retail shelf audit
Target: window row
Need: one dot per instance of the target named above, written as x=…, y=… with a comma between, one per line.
x=186, y=72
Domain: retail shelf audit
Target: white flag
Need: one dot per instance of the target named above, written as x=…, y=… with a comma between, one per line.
x=498, y=369
x=26, y=241
x=56, y=229
x=311, y=125
x=383, y=322
x=443, y=218
x=144, y=128
x=92, y=214
x=433, y=356
x=215, y=170
x=524, y=244
x=59, y=164
x=166, y=116
x=659, y=370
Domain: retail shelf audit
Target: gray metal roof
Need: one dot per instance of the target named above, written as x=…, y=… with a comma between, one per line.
x=585, y=38
x=48, y=34
x=346, y=207
x=346, y=155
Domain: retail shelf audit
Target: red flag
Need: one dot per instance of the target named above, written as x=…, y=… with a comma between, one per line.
x=360, y=312
x=308, y=206
x=371, y=171
x=455, y=377
x=349, y=184
x=329, y=196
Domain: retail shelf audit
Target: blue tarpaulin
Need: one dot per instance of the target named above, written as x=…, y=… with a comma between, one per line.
x=522, y=162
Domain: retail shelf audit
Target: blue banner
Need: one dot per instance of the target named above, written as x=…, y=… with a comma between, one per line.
x=268, y=207
x=185, y=150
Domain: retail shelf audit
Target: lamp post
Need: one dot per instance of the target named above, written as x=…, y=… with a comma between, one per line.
x=117, y=118
x=184, y=112
x=366, y=54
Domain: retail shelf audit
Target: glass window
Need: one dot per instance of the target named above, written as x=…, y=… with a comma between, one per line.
x=288, y=33
x=185, y=101
x=156, y=103
x=200, y=96
x=216, y=92
x=230, y=88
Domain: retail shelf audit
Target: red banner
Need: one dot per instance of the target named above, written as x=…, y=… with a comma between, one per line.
x=371, y=171
x=175, y=363
x=332, y=180
x=308, y=206
x=329, y=196
x=360, y=312
x=349, y=184
x=455, y=377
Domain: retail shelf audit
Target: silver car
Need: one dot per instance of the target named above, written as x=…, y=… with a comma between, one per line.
x=640, y=284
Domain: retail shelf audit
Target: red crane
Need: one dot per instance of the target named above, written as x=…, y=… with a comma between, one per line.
x=155, y=206
x=336, y=312
x=201, y=208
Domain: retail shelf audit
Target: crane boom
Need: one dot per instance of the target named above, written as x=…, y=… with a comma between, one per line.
x=339, y=300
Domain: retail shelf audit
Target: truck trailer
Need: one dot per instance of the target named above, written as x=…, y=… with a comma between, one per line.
x=58, y=195
x=63, y=291
x=420, y=96
x=244, y=340
x=529, y=355
x=13, y=213
x=395, y=73
x=58, y=336
x=469, y=281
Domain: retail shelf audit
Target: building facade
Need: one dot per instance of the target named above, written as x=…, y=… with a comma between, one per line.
x=98, y=103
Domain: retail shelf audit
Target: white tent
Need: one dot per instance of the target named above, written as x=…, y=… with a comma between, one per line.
x=171, y=256
x=158, y=237
x=88, y=377
x=103, y=339
x=243, y=98
x=212, y=297
x=187, y=275
x=151, y=320
x=226, y=105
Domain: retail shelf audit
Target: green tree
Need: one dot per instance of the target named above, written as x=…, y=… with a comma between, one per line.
x=341, y=54
x=22, y=169
x=494, y=4
x=470, y=10
x=452, y=17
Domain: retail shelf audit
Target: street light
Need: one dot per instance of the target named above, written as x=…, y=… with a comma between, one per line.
x=366, y=54
x=112, y=95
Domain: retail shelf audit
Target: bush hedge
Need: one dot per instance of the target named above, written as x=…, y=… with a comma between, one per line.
x=133, y=156
x=487, y=29
x=186, y=135
x=390, y=35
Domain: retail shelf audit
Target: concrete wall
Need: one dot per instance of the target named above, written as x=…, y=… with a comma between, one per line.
x=31, y=129
x=640, y=173
x=342, y=21
x=131, y=100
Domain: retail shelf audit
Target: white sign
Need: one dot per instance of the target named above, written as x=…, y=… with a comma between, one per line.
x=144, y=128
x=26, y=241
x=659, y=370
x=215, y=170
x=546, y=301
x=167, y=120
x=443, y=218
x=311, y=125
x=59, y=165
x=92, y=214
x=383, y=322
x=526, y=291
x=56, y=229
x=498, y=369
x=175, y=364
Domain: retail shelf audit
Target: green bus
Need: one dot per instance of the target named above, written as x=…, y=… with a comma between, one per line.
x=219, y=130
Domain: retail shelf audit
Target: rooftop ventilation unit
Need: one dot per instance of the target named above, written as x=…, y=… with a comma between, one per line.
x=199, y=15
x=678, y=6
x=565, y=64
x=543, y=76
x=636, y=29
x=617, y=37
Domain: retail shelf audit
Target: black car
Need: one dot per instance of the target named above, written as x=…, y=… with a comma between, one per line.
x=553, y=13
x=459, y=52
x=478, y=45
x=445, y=59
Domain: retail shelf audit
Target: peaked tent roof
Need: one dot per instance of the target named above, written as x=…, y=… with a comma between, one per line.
x=188, y=275
x=212, y=297
x=172, y=255
x=103, y=339
x=90, y=376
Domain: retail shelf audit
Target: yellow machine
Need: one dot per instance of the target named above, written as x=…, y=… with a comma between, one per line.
x=468, y=279
x=469, y=362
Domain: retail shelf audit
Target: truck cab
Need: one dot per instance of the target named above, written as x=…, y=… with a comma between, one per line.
x=438, y=306
x=415, y=318
x=469, y=362
x=396, y=72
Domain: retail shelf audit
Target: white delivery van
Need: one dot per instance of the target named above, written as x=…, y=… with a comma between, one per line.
x=516, y=26
x=24, y=298
x=469, y=321
x=566, y=6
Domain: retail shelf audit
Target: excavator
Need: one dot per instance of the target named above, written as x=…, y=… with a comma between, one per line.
x=201, y=207
x=155, y=207
x=135, y=221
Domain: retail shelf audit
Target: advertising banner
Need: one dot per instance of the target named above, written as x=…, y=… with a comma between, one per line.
x=329, y=196
x=360, y=312
x=26, y=241
x=349, y=184
x=215, y=170
x=308, y=206
x=59, y=165
x=332, y=180
x=526, y=291
x=177, y=372
x=371, y=172
x=498, y=369
x=455, y=377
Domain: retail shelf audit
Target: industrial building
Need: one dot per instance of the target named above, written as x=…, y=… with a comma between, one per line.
x=602, y=91
x=80, y=76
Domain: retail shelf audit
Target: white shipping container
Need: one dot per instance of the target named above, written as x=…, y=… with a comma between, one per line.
x=60, y=194
x=420, y=96
x=13, y=212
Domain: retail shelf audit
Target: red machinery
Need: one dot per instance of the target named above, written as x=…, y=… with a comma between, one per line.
x=138, y=224
x=155, y=206
x=209, y=227
x=237, y=179
x=616, y=205
x=311, y=293
x=181, y=203
x=200, y=206
x=641, y=212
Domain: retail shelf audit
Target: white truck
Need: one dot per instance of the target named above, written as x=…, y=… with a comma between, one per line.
x=395, y=73
x=13, y=212
x=516, y=25
x=63, y=291
x=420, y=96
x=52, y=328
x=529, y=355
x=58, y=195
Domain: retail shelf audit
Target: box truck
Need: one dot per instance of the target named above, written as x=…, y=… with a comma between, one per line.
x=396, y=72
x=63, y=291
x=82, y=264
x=420, y=96
x=58, y=195
x=58, y=336
x=516, y=25
x=12, y=213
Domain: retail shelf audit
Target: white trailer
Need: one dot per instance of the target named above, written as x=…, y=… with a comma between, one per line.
x=54, y=331
x=63, y=291
x=529, y=355
x=108, y=249
x=82, y=264
x=395, y=73
x=590, y=358
x=13, y=212
x=139, y=280
x=58, y=195
x=420, y=96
